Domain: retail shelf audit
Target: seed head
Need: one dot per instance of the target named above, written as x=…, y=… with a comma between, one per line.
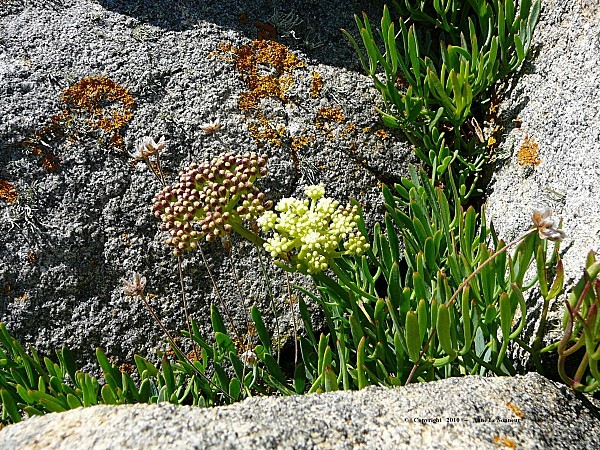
x=147, y=147
x=209, y=197
x=136, y=286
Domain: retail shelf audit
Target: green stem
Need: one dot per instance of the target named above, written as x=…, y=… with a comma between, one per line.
x=348, y=283
x=176, y=347
x=246, y=233
x=271, y=298
x=537, y=344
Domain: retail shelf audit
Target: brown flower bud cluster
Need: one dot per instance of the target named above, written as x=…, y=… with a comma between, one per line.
x=210, y=198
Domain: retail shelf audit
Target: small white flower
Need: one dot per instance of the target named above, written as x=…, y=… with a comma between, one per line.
x=147, y=147
x=211, y=128
x=546, y=225
x=136, y=286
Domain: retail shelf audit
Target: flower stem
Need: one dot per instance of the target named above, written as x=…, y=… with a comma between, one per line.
x=176, y=347
x=246, y=233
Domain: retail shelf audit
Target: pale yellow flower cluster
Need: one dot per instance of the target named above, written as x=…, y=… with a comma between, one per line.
x=310, y=233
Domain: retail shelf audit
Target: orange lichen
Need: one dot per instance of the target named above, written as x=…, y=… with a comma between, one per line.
x=515, y=409
x=298, y=143
x=50, y=162
x=251, y=60
x=349, y=129
x=382, y=134
x=262, y=131
x=31, y=257
x=127, y=368
x=506, y=442
x=155, y=168
x=8, y=191
x=316, y=85
x=194, y=355
x=334, y=114
x=528, y=152
x=98, y=96
x=106, y=106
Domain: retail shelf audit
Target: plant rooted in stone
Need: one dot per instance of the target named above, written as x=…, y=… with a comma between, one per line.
x=430, y=90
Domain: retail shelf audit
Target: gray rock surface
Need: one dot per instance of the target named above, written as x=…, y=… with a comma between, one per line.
x=557, y=99
x=74, y=233
x=463, y=413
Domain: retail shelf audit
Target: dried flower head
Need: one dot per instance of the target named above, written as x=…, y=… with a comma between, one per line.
x=249, y=359
x=147, y=147
x=546, y=225
x=211, y=128
x=136, y=286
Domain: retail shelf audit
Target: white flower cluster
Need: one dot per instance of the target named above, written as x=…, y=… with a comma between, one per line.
x=308, y=233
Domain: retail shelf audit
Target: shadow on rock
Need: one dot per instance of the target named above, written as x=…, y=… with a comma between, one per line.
x=311, y=26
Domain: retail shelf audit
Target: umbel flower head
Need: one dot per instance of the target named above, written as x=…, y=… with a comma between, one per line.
x=310, y=233
x=546, y=225
x=210, y=199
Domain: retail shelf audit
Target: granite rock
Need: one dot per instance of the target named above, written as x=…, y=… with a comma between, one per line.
x=76, y=231
x=553, y=103
x=462, y=413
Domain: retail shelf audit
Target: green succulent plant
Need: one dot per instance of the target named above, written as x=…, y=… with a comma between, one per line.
x=453, y=310
x=430, y=91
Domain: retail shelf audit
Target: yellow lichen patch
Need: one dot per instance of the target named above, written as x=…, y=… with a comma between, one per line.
x=506, y=442
x=155, y=169
x=7, y=191
x=316, y=85
x=528, y=152
x=127, y=368
x=515, y=409
x=350, y=129
x=298, y=143
x=382, y=134
x=334, y=114
x=262, y=131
